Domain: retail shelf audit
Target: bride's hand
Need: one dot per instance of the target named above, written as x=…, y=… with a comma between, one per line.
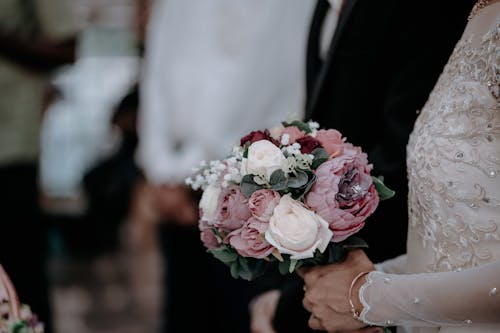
x=327, y=293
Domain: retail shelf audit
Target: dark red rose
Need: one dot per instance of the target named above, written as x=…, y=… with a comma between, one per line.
x=308, y=144
x=257, y=136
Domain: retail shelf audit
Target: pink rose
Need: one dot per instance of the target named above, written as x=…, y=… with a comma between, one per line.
x=232, y=209
x=207, y=236
x=262, y=203
x=331, y=140
x=344, y=194
x=294, y=133
x=249, y=240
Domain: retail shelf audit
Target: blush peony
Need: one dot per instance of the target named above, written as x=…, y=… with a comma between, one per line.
x=344, y=194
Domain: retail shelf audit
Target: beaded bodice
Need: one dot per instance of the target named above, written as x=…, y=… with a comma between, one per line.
x=454, y=162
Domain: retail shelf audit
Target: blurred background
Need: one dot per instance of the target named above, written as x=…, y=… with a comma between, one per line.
x=103, y=266
x=105, y=107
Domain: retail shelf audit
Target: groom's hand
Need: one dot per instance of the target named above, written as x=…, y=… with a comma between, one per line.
x=262, y=311
x=327, y=290
x=175, y=203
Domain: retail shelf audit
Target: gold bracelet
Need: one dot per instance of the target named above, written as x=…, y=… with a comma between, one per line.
x=355, y=313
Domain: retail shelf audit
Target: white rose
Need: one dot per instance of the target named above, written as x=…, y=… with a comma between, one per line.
x=296, y=230
x=208, y=202
x=263, y=159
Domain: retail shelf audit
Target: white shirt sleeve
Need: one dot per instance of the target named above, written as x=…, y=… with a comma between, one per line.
x=164, y=158
x=213, y=72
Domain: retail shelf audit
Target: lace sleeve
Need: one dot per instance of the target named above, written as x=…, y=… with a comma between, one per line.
x=432, y=299
x=393, y=266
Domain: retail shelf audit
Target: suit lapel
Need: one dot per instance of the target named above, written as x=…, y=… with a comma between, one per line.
x=319, y=84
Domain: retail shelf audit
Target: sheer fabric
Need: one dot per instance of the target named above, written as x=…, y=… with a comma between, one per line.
x=448, y=280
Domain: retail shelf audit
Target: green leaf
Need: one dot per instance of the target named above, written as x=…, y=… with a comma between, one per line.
x=248, y=186
x=235, y=271
x=336, y=253
x=309, y=185
x=225, y=254
x=354, y=242
x=284, y=267
x=293, y=265
x=384, y=192
x=320, y=157
x=299, y=124
x=277, y=177
x=299, y=180
x=299, y=264
x=318, y=259
x=244, y=263
x=245, y=149
x=249, y=268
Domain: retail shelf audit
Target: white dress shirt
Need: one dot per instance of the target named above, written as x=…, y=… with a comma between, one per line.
x=215, y=70
x=329, y=26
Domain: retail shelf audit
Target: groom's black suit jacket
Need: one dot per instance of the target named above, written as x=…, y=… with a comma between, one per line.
x=383, y=61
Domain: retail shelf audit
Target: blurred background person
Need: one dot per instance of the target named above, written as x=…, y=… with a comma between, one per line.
x=110, y=183
x=214, y=70
x=36, y=37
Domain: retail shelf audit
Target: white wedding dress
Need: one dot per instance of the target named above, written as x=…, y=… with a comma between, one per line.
x=449, y=281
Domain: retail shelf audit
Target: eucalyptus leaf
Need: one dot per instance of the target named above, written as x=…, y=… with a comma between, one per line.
x=299, y=180
x=299, y=264
x=225, y=254
x=243, y=263
x=278, y=176
x=248, y=186
x=299, y=124
x=244, y=271
x=309, y=185
x=235, y=273
x=336, y=253
x=280, y=186
x=250, y=268
x=354, y=242
x=284, y=267
x=318, y=259
x=384, y=192
x=320, y=157
x=293, y=265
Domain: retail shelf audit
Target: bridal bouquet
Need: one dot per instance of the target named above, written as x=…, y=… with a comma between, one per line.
x=27, y=322
x=290, y=196
x=15, y=317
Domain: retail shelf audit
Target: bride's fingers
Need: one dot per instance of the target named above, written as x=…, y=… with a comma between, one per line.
x=303, y=271
x=315, y=324
x=368, y=329
x=311, y=275
x=307, y=304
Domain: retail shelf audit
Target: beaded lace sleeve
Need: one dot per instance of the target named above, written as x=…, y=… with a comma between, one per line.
x=432, y=299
